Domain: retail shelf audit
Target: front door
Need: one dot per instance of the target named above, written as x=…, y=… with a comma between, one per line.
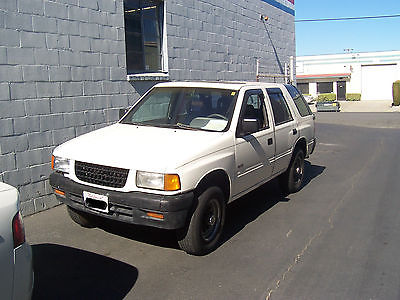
x=255, y=150
x=341, y=90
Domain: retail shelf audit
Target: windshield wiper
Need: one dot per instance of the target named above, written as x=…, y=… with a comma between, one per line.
x=184, y=126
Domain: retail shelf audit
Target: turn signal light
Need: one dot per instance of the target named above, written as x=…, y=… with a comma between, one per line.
x=172, y=182
x=58, y=192
x=155, y=215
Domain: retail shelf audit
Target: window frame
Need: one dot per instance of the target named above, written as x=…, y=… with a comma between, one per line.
x=143, y=74
x=258, y=92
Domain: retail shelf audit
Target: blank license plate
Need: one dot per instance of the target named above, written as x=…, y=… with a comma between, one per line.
x=95, y=201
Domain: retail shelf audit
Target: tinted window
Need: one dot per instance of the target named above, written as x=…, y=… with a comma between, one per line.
x=304, y=88
x=279, y=106
x=301, y=104
x=324, y=87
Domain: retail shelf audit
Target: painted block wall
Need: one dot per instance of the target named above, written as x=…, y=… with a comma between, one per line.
x=222, y=39
x=62, y=74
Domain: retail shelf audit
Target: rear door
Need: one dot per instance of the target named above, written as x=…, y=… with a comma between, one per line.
x=286, y=132
x=254, y=150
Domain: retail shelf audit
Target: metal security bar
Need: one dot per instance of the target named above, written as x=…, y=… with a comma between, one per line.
x=288, y=76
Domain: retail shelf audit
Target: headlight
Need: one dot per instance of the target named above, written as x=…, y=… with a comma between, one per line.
x=158, y=181
x=60, y=164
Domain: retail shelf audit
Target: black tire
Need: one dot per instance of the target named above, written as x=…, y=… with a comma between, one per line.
x=292, y=180
x=204, y=230
x=80, y=218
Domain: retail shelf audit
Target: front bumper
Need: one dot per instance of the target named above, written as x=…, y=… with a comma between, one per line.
x=130, y=207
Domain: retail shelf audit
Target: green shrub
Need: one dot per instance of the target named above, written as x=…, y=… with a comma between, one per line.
x=396, y=93
x=329, y=97
x=353, y=97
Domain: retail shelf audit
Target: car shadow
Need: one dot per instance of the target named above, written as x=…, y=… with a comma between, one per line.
x=148, y=235
x=248, y=208
x=239, y=213
x=63, y=272
x=311, y=172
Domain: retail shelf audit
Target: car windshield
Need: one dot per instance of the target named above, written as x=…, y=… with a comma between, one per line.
x=187, y=108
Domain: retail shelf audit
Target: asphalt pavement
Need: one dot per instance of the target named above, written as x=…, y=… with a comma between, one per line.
x=337, y=238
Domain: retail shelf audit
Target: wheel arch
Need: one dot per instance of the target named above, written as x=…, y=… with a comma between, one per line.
x=215, y=178
x=301, y=144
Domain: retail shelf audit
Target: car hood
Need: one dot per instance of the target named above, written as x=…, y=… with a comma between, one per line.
x=145, y=148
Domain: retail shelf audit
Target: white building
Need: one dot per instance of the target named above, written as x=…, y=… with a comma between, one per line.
x=369, y=74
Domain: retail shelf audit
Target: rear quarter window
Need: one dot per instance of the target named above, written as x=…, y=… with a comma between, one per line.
x=298, y=99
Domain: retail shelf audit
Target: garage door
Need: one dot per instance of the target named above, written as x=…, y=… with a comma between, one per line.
x=377, y=81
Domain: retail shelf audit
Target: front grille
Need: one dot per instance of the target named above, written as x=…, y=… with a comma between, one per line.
x=101, y=175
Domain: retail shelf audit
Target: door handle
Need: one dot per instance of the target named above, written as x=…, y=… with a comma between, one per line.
x=270, y=141
x=294, y=131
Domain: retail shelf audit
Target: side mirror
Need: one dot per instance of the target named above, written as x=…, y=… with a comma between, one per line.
x=248, y=126
x=122, y=112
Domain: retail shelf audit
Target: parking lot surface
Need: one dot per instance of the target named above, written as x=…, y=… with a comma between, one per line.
x=337, y=238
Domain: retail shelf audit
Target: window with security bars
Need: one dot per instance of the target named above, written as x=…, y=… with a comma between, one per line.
x=144, y=21
x=324, y=87
x=304, y=88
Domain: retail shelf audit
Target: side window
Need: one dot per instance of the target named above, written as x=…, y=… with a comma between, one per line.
x=279, y=106
x=253, y=110
x=301, y=104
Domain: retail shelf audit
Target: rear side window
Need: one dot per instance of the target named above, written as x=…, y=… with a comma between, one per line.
x=301, y=104
x=279, y=106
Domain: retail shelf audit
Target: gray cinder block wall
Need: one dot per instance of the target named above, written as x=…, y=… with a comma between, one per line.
x=222, y=39
x=62, y=74
x=63, y=69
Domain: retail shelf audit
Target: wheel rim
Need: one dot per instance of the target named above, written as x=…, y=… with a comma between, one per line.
x=211, y=220
x=298, y=170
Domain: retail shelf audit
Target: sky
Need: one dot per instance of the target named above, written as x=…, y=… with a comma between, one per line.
x=313, y=38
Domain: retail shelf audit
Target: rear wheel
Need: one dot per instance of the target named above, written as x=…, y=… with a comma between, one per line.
x=292, y=179
x=202, y=234
x=80, y=218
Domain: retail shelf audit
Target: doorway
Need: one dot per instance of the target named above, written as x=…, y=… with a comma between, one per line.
x=341, y=90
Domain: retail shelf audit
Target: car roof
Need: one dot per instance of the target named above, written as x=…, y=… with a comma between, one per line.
x=231, y=85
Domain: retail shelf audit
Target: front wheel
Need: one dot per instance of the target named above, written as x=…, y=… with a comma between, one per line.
x=292, y=179
x=202, y=234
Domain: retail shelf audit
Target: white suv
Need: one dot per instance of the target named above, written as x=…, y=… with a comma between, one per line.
x=184, y=151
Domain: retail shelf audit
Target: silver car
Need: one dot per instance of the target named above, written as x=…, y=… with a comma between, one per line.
x=16, y=271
